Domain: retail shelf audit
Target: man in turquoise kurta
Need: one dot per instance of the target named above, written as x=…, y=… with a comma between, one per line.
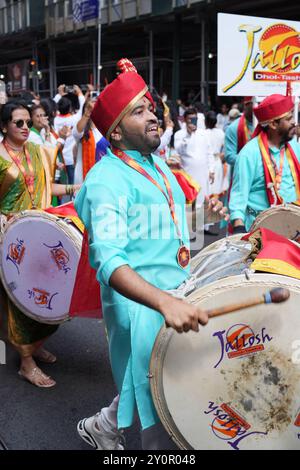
x=234, y=144
x=235, y=139
x=249, y=194
x=133, y=245
x=231, y=141
x=115, y=205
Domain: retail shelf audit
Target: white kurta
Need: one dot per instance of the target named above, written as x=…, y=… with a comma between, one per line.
x=196, y=158
x=216, y=138
x=69, y=120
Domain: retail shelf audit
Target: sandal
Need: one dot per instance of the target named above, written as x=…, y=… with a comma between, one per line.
x=45, y=356
x=34, y=376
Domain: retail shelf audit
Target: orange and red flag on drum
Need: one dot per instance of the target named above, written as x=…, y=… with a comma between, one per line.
x=276, y=254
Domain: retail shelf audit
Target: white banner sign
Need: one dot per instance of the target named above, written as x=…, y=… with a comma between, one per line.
x=257, y=56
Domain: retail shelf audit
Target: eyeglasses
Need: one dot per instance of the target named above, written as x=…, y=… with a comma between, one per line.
x=20, y=123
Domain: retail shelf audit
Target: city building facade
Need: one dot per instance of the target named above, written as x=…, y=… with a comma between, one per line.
x=173, y=43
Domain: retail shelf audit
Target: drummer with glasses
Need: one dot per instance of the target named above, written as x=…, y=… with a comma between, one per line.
x=267, y=170
x=26, y=175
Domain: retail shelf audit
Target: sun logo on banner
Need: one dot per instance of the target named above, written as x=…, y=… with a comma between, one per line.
x=280, y=47
x=278, y=54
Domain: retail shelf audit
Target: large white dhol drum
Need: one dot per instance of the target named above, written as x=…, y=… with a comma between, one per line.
x=39, y=255
x=225, y=257
x=284, y=219
x=236, y=383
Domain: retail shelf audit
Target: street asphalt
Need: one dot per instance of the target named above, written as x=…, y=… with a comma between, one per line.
x=33, y=418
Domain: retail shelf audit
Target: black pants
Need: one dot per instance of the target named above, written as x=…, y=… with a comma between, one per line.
x=70, y=172
x=157, y=438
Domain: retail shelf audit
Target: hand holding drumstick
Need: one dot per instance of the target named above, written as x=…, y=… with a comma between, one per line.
x=274, y=296
x=277, y=295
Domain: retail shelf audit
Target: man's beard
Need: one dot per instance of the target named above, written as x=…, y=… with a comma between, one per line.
x=144, y=145
x=155, y=146
x=288, y=136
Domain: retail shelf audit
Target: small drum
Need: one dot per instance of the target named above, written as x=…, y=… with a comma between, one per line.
x=39, y=255
x=236, y=383
x=225, y=257
x=284, y=219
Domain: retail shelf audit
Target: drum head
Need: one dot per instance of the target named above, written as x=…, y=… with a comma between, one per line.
x=236, y=383
x=284, y=220
x=39, y=255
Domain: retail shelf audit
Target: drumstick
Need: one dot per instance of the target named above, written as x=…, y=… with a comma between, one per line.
x=273, y=296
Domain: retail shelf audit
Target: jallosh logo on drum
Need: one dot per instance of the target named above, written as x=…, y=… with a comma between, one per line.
x=228, y=425
x=15, y=253
x=60, y=256
x=41, y=297
x=240, y=340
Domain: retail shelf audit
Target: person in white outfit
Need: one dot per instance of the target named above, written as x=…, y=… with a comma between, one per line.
x=69, y=119
x=193, y=146
x=216, y=137
x=200, y=115
x=222, y=117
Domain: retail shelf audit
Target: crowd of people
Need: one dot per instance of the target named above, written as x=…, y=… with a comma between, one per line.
x=191, y=139
x=49, y=150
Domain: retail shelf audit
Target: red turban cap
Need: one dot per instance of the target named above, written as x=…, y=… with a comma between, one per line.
x=118, y=98
x=273, y=107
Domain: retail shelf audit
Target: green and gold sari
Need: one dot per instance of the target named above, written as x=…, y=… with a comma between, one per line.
x=23, y=332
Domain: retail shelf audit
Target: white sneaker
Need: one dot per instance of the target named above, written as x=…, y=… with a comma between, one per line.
x=100, y=439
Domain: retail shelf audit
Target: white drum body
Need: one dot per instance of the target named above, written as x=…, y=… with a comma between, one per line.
x=284, y=219
x=236, y=383
x=39, y=255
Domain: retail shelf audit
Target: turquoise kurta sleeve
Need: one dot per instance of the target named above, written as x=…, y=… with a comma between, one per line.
x=230, y=146
x=231, y=141
x=296, y=147
x=243, y=177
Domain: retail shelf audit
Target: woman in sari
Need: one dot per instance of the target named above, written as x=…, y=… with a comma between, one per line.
x=26, y=173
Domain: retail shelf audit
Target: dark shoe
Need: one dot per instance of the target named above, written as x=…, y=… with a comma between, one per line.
x=209, y=232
